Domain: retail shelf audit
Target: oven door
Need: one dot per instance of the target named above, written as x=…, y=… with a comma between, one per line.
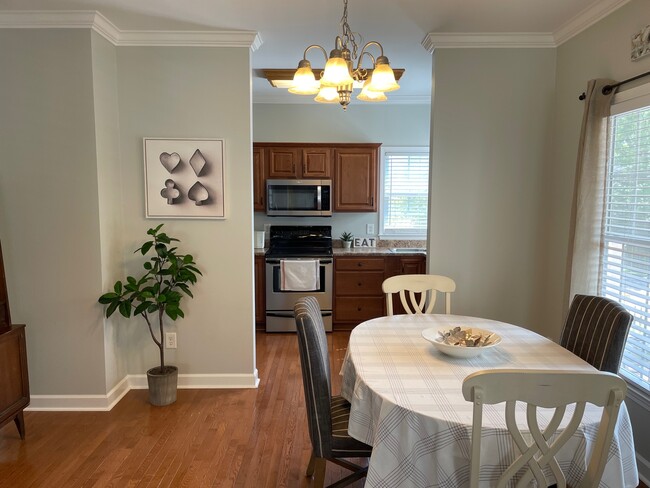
x=279, y=303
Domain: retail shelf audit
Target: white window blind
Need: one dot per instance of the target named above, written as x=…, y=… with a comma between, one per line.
x=405, y=191
x=626, y=240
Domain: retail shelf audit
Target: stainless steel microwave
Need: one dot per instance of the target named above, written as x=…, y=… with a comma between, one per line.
x=302, y=198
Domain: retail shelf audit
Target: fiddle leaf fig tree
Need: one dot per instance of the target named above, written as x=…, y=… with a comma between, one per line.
x=168, y=276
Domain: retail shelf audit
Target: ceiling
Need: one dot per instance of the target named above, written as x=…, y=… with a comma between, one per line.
x=287, y=27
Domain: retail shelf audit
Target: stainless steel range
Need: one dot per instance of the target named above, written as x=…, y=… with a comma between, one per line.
x=307, y=249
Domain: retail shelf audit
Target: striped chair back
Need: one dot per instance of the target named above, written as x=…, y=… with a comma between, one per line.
x=596, y=330
x=314, y=361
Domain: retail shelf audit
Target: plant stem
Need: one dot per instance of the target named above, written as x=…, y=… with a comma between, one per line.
x=160, y=345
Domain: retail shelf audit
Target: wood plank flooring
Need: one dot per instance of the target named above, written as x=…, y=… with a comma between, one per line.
x=221, y=438
x=208, y=438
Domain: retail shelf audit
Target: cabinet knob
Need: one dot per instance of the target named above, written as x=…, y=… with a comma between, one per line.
x=358, y=284
x=358, y=309
x=359, y=264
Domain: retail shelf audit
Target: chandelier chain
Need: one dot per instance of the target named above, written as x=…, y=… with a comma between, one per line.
x=348, y=35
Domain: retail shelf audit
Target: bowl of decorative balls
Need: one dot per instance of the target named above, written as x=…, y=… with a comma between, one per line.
x=461, y=342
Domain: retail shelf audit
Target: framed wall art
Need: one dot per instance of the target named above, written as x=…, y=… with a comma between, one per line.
x=184, y=178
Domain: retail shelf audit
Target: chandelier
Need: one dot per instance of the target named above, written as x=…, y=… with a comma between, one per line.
x=338, y=79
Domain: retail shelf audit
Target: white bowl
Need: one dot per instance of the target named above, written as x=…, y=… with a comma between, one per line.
x=433, y=336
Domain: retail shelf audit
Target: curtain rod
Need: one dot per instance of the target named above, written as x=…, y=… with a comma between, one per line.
x=607, y=89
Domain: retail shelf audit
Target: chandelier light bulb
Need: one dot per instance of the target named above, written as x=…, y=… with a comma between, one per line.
x=304, y=81
x=337, y=71
x=383, y=78
x=327, y=94
x=371, y=96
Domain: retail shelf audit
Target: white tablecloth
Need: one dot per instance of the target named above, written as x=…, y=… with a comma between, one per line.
x=407, y=403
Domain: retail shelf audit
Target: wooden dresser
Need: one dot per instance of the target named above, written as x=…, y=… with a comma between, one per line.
x=14, y=381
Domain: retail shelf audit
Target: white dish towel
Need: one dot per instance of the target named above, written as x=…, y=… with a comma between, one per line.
x=299, y=275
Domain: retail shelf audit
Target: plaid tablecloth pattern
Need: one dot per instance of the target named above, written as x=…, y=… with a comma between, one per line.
x=408, y=404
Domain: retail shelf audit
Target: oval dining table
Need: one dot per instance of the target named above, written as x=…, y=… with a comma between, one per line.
x=407, y=403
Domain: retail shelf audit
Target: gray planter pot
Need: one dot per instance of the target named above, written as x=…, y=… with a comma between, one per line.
x=162, y=386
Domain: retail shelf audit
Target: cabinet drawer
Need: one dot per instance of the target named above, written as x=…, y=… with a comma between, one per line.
x=358, y=264
x=358, y=309
x=365, y=283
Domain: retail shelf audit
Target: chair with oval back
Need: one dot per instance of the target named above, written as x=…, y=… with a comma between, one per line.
x=549, y=390
x=426, y=286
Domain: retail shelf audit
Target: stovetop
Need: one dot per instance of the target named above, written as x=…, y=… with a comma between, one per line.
x=300, y=241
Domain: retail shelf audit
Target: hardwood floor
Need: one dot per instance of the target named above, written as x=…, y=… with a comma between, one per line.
x=221, y=438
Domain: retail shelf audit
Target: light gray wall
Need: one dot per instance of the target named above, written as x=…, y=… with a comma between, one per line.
x=491, y=130
x=104, y=64
x=49, y=213
x=391, y=125
x=602, y=51
x=185, y=93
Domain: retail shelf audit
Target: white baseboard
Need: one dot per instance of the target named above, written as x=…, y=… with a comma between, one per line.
x=106, y=402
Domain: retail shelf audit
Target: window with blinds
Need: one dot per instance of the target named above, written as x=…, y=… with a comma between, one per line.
x=625, y=257
x=405, y=192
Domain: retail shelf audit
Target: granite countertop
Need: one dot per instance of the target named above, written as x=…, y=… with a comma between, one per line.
x=384, y=250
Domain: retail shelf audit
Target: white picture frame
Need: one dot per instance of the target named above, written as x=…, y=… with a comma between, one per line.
x=184, y=178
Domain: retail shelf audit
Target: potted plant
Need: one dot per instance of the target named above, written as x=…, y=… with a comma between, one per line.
x=158, y=292
x=346, y=238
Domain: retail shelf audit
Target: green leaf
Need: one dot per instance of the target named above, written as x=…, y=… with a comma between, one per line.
x=147, y=265
x=141, y=308
x=125, y=308
x=118, y=287
x=161, y=298
x=111, y=308
x=145, y=247
x=188, y=259
x=107, y=298
x=153, y=232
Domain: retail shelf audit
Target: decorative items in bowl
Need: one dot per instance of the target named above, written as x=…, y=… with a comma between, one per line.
x=461, y=342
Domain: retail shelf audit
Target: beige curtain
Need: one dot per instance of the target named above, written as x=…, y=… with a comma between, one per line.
x=587, y=212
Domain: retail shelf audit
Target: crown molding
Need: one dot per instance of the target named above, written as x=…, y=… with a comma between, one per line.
x=83, y=19
x=435, y=40
x=586, y=19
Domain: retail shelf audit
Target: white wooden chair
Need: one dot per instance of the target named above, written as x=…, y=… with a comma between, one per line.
x=427, y=285
x=546, y=389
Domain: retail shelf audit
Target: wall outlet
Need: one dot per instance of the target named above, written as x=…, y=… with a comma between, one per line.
x=170, y=340
x=370, y=229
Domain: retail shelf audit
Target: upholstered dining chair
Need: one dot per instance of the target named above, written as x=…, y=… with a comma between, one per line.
x=550, y=390
x=595, y=330
x=327, y=415
x=426, y=285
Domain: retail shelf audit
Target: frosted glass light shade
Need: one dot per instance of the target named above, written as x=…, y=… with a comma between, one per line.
x=327, y=94
x=371, y=96
x=304, y=82
x=383, y=79
x=336, y=73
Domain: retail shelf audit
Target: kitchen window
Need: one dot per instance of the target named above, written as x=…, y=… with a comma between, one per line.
x=405, y=192
x=625, y=250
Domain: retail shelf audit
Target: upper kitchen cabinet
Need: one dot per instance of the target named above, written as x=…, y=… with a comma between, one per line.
x=355, y=177
x=259, y=179
x=295, y=160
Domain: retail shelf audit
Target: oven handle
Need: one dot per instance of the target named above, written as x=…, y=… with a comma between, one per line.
x=291, y=315
x=277, y=261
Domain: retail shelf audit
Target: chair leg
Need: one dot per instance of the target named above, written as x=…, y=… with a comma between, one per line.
x=319, y=472
x=311, y=465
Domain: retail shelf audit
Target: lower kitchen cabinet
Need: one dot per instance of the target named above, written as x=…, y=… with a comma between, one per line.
x=260, y=291
x=357, y=286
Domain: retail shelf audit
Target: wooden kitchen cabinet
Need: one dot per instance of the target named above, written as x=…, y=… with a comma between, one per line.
x=14, y=380
x=259, y=180
x=357, y=289
x=260, y=291
x=357, y=286
x=355, y=176
x=296, y=161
